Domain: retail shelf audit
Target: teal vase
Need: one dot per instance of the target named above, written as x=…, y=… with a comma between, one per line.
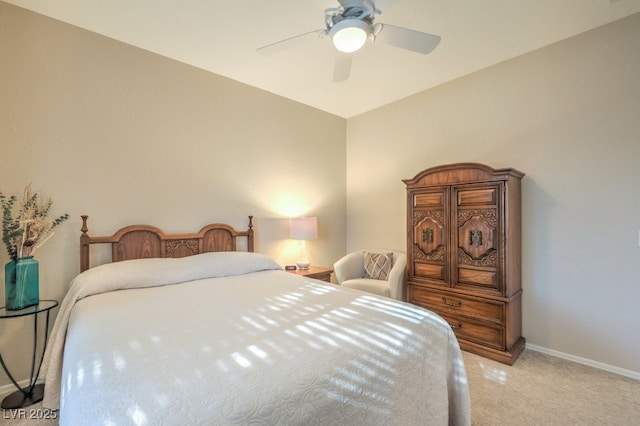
x=21, y=283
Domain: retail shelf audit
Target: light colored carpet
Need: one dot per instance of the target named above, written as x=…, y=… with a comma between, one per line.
x=538, y=389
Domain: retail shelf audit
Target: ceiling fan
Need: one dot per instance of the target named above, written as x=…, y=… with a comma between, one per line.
x=350, y=26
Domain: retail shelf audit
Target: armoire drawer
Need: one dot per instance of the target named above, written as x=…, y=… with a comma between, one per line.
x=442, y=301
x=484, y=333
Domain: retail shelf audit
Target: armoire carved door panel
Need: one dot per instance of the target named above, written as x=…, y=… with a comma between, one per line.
x=430, y=250
x=477, y=240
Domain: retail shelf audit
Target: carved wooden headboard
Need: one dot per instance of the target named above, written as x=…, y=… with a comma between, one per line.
x=144, y=241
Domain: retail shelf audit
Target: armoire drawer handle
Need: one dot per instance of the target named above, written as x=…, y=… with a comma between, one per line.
x=456, y=326
x=454, y=304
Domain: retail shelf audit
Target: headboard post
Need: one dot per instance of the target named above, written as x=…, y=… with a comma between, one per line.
x=250, y=235
x=85, y=240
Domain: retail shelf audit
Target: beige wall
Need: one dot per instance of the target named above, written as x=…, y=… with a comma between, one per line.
x=569, y=117
x=127, y=136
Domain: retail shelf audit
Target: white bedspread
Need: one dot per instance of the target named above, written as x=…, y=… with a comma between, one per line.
x=227, y=345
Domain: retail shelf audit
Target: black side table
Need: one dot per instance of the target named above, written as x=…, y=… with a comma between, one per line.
x=33, y=393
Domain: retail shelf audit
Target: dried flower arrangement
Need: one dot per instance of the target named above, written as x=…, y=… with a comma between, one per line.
x=31, y=227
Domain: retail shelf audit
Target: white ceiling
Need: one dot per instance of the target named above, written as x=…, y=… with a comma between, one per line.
x=222, y=37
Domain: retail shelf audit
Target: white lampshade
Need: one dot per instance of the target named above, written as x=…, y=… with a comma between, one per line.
x=304, y=228
x=349, y=35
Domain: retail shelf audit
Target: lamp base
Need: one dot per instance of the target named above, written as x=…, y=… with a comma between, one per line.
x=303, y=265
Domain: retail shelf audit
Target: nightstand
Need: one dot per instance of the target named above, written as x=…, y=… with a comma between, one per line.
x=317, y=272
x=32, y=393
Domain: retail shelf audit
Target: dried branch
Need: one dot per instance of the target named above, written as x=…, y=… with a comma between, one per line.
x=31, y=227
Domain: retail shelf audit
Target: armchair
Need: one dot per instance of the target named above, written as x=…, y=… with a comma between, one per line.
x=350, y=272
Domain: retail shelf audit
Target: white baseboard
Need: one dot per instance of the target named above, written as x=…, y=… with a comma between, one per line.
x=585, y=361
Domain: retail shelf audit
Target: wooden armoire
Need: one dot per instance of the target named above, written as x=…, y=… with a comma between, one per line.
x=463, y=254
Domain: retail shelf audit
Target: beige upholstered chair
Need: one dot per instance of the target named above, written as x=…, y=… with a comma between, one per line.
x=350, y=271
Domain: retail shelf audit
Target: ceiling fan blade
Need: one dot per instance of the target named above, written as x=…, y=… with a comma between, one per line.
x=288, y=43
x=407, y=39
x=342, y=67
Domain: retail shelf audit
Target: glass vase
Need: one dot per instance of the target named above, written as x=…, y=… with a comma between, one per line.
x=21, y=283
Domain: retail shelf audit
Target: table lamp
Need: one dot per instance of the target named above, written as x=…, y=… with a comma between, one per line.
x=303, y=229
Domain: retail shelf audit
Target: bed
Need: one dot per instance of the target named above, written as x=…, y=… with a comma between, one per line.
x=199, y=329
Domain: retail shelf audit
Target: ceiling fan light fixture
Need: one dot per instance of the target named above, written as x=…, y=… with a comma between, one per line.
x=349, y=35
